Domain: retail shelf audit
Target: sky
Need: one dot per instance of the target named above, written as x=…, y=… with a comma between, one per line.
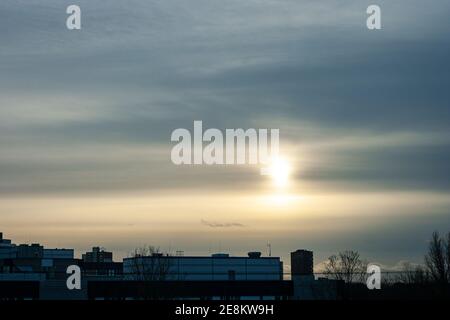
x=364, y=118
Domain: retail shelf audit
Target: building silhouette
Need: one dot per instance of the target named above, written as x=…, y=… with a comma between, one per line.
x=97, y=255
x=302, y=263
x=35, y=272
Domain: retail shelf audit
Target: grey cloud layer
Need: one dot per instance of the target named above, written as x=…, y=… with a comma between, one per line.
x=139, y=69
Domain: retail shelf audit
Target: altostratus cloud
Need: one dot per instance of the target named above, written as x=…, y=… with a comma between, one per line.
x=214, y=224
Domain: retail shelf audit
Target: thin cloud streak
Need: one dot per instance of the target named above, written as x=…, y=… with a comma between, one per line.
x=221, y=224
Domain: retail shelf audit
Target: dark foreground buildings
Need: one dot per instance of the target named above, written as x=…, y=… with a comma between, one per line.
x=35, y=272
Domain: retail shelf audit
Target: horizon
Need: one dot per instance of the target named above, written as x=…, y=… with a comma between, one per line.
x=284, y=258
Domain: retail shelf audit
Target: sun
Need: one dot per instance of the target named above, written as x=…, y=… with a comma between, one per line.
x=279, y=170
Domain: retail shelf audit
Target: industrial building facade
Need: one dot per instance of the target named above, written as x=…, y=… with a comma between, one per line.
x=203, y=268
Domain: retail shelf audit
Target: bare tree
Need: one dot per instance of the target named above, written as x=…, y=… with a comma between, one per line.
x=437, y=259
x=346, y=265
x=150, y=264
x=410, y=274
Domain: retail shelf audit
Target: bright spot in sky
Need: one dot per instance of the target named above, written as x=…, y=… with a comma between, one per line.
x=279, y=170
x=282, y=199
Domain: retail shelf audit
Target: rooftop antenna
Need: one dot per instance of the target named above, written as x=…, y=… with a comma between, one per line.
x=269, y=248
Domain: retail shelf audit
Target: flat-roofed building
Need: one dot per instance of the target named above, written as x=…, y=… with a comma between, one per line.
x=196, y=268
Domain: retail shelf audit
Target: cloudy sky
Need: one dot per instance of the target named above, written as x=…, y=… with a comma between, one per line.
x=364, y=118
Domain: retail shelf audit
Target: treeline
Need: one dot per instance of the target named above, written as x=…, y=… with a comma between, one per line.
x=349, y=267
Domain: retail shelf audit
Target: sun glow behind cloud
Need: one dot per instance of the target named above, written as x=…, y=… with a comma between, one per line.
x=281, y=199
x=279, y=170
